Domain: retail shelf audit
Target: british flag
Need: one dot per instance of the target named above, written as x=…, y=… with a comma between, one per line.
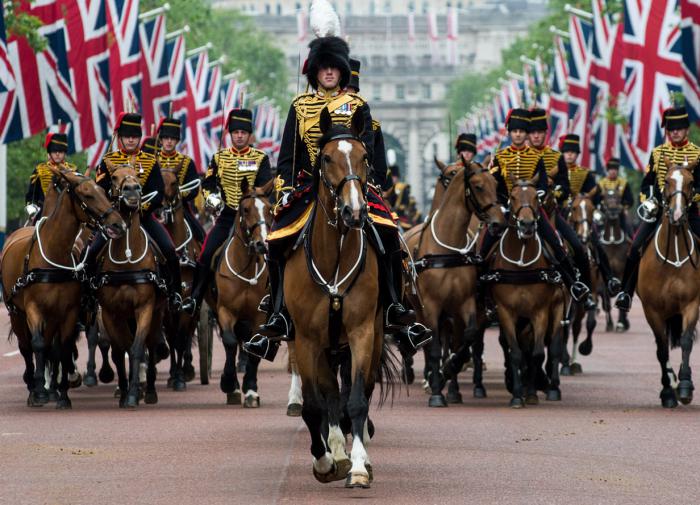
x=174, y=58
x=124, y=56
x=690, y=28
x=155, y=83
x=579, y=64
x=558, y=97
x=228, y=97
x=7, y=80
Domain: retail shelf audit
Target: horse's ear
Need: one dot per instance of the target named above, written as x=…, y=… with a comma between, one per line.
x=535, y=180
x=357, y=123
x=441, y=166
x=266, y=189
x=325, y=122
x=487, y=160
x=245, y=187
x=592, y=192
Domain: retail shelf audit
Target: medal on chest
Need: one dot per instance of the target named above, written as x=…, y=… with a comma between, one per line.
x=344, y=110
x=247, y=165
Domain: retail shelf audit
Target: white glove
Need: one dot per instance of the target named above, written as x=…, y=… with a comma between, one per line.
x=647, y=210
x=286, y=196
x=32, y=210
x=214, y=202
x=598, y=217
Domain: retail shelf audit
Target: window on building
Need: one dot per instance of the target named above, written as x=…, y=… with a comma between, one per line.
x=372, y=8
x=387, y=6
x=400, y=92
x=377, y=92
x=411, y=6
x=268, y=11
x=401, y=60
x=298, y=6
x=279, y=9
x=425, y=7
x=427, y=91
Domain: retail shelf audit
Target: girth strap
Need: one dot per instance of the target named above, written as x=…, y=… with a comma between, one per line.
x=536, y=276
x=119, y=278
x=443, y=261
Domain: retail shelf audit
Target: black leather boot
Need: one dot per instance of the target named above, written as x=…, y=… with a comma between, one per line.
x=629, y=284
x=199, y=288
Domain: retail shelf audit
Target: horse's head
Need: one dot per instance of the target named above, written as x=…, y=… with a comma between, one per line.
x=612, y=205
x=93, y=206
x=447, y=172
x=343, y=167
x=582, y=215
x=255, y=215
x=171, y=193
x=524, y=206
x=126, y=187
x=480, y=194
x=678, y=191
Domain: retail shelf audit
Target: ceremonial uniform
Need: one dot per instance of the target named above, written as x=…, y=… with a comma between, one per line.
x=620, y=186
x=42, y=176
x=652, y=189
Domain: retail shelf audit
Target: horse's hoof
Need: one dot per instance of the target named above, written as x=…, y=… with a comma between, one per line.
x=106, y=374
x=228, y=384
x=454, y=397
x=64, y=404
x=532, y=399
x=179, y=385
x=609, y=327
x=368, y=467
x=188, y=370
x=554, y=395
x=357, y=480
x=342, y=468
x=668, y=398
x=251, y=401
x=517, y=403
x=90, y=379
x=621, y=327
x=233, y=398
x=53, y=395
x=325, y=478
x=37, y=399
x=294, y=410
x=585, y=347
x=576, y=369
x=565, y=371
x=75, y=381
x=408, y=376
x=685, y=392
x=117, y=392
x=479, y=392
x=426, y=387
x=132, y=401
x=151, y=398
x=437, y=401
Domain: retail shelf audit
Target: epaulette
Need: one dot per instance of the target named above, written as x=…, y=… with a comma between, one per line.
x=376, y=125
x=255, y=150
x=303, y=98
x=358, y=97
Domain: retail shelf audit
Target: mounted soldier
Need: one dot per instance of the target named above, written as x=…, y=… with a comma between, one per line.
x=227, y=170
x=679, y=151
x=465, y=147
x=128, y=135
x=328, y=72
x=613, y=182
x=56, y=145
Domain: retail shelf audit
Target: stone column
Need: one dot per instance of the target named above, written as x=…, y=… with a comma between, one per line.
x=413, y=173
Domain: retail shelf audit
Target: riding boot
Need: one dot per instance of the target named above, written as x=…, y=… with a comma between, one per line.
x=611, y=282
x=579, y=291
x=174, y=285
x=199, y=288
x=629, y=282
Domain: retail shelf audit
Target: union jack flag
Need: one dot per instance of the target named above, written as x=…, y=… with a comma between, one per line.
x=229, y=96
x=579, y=63
x=7, y=80
x=690, y=28
x=124, y=56
x=174, y=58
x=558, y=96
x=155, y=84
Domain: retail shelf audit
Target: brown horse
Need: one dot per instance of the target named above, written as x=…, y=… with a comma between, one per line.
x=131, y=293
x=332, y=291
x=241, y=283
x=614, y=241
x=41, y=278
x=669, y=284
x=179, y=330
x=581, y=218
x=529, y=299
x=446, y=276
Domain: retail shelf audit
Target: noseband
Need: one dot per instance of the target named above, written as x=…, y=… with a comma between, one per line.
x=480, y=211
x=247, y=238
x=535, y=210
x=95, y=220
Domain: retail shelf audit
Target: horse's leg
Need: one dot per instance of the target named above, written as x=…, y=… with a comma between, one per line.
x=433, y=356
x=566, y=331
x=294, y=398
x=515, y=356
x=144, y=316
x=685, y=385
x=106, y=373
x=53, y=368
x=187, y=366
x=554, y=358
x=507, y=370
x=668, y=376
x=90, y=379
x=66, y=354
x=332, y=432
x=540, y=325
x=478, y=357
x=586, y=346
x=151, y=396
x=120, y=365
x=229, y=379
x=576, y=331
x=623, y=323
x=607, y=308
x=39, y=396
x=251, y=398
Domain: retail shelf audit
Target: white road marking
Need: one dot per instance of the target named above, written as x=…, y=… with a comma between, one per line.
x=10, y=354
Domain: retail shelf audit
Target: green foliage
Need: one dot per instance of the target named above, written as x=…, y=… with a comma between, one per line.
x=22, y=24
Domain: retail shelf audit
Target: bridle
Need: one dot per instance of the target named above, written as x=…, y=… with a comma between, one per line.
x=95, y=220
x=470, y=198
x=168, y=210
x=580, y=222
x=687, y=202
x=515, y=213
x=243, y=232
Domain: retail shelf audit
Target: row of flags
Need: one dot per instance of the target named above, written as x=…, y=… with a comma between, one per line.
x=609, y=80
x=101, y=59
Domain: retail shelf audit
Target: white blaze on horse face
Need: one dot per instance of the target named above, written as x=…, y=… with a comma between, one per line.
x=261, y=212
x=677, y=177
x=345, y=147
x=584, y=218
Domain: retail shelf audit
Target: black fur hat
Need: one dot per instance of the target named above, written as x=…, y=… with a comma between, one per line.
x=538, y=120
x=466, y=142
x=328, y=52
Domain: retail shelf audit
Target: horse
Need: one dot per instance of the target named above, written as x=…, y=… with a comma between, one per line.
x=131, y=293
x=241, y=283
x=669, y=284
x=41, y=278
x=529, y=300
x=582, y=219
x=332, y=290
x=614, y=241
x=179, y=330
x=447, y=277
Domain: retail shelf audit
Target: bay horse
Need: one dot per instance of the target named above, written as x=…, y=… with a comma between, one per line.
x=180, y=330
x=529, y=299
x=332, y=290
x=614, y=241
x=447, y=277
x=131, y=292
x=581, y=218
x=241, y=283
x=669, y=284
x=41, y=278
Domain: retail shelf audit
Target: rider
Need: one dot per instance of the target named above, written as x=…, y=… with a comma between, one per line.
x=169, y=132
x=613, y=182
x=465, y=147
x=524, y=163
x=679, y=150
x=56, y=145
x=398, y=195
x=227, y=169
x=328, y=72
x=582, y=180
x=128, y=133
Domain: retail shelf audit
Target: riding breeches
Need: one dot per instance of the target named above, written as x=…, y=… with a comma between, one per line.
x=580, y=256
x=217, y=236
x=161, y=237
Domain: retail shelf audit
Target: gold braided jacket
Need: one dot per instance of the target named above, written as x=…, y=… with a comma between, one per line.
x=677, y=155
x=176, y=161
x=142, y=163
x=43, y=173
x=617, y=185
x=577, y=176
x=521, y=163
x=232, y=166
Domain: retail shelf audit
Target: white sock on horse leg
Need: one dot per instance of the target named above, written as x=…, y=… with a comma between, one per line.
x=358, y=456
x=295, y=390
x=336, y=442
x=324, y=464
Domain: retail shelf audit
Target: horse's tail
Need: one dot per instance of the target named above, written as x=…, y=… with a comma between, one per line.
x=388, y=374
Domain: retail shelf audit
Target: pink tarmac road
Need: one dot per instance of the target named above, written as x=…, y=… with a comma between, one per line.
x=607, y=441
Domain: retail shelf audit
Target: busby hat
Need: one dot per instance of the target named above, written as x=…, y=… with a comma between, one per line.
x=170, y=127
x=240, y=119
x=613, y=163
x=675, y=118
x=538, y=120
x=56, y=142
x=354, y=74
x=328, y=52
x=149, y=145
x=128, y=125
x=466, y=142
x=518, y=119
x=570, y=142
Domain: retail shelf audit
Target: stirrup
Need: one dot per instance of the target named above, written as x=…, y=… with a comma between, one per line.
x=190, y=306
x=579, y=290
x=261, y=347
x=265, y=304
x=614, y=286
x=418, y=335
x=175, y=302
x=284, y=335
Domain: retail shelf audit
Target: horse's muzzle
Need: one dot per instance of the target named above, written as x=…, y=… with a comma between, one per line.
x=260, y=247
x=115, y=230
x=526, y=228
x=495, y=228
x=354, y=218
x=131, y=196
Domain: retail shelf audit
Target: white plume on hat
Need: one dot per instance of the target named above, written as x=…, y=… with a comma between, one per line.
x=323, y=20
x=390, y=157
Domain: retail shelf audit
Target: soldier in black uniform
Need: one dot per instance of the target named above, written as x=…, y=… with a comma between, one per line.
x=465, y=147
x=227, y=170
x=679, y=150
x=328, y=73
x=525, y=163
x=56, y=145
x=128, y=130
x=170, y=133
